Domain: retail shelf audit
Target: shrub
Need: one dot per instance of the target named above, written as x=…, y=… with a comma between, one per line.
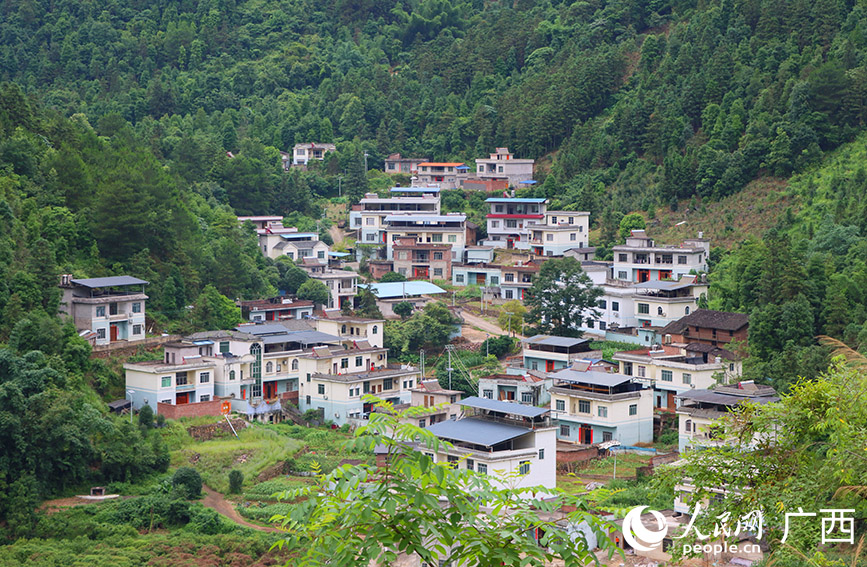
x=146, y=417
x=207, y=521
x=236, y=479
x=188, y=482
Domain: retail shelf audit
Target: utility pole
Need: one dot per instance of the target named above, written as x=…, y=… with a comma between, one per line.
x=365, y=161
x=130, y=392
x=487, y=345
x=421, y=362
x=450, y=369
x=454, y=293
x=339, y=179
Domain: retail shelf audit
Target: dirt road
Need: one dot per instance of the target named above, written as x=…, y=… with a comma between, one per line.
x=486, y=326
x=216, y=501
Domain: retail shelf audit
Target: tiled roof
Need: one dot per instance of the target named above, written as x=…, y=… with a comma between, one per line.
x=708, y=319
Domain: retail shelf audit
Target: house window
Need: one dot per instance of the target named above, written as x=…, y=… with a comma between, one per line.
x=549, y=237
x=344, y=363
x=224, y=347
x=438, y=255
x=453, y=238
x=622, y=258
x=564, y=431
x=687, y=378
x=495, y=280
x=205, y=398
x=633, y=409
x=136, y=329
x=308, y=399
x=573, y=236
x=488, y=394
x=359, y=361
x=320, y=254
x=602, y=325
x=681, y=259
x=686, y=311
x=615, y=306
x=583, y=406
x=320, y=388
x=622, y=275
x=482, y=468
x=509, y=277
x=644, y=308
x=437, y=238
x=366, y=387
x=511, y=224
x=524, y=468
x=401, y=271
x=560, y=405
x=688, y=425
x=602, y=411
x=607, y=436
x=526, y=398
x=100, y=333
x=269, y=368
x=459, y=278
x=204, y=377
x=470, y=464
x=136, y=307
x=369, y=221
x=181, y=379
x=495, y=224
x=100, y=310
x=370, y=237
x=166, y=382
x=422, y=423
x=387, y=384
x=602, y=304
x=732, y=367
x=591, y=324
x=642, y=371
x=231, y=374
x=295, y=364
x=627, y=368
x=308, y=376
x=438, y=272
x=509, y=294
x=666, y=376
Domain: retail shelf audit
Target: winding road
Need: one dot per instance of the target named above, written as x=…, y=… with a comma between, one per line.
x=218, y=502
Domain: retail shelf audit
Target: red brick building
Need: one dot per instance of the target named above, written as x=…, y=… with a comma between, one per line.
x=716, y=328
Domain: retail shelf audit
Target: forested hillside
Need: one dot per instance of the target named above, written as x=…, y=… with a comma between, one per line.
x=117, y=118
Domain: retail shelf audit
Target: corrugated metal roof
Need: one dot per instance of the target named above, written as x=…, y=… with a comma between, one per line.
x=712, y=397
x=511, y=408
x=297, y=235
x=425, y=218
x=514, y=200
x=303, y=337
x=415, y=189
x=260, y=329
x=593, y=377
x=477, y=431
x=549, y=340
x=391, y=290
x=109, y=281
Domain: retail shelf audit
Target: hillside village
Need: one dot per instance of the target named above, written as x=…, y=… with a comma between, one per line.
x=433, y=283
x=555, y=406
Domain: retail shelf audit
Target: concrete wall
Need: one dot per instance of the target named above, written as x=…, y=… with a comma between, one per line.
x=214, y=407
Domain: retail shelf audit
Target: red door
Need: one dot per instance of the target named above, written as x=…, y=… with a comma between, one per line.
x=113, y=333
x=549, y=366
x=182, y=399
x=270, y=389
x=643, y=276
x=585, y=435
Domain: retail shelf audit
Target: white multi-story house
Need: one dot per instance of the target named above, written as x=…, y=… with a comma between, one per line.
x=640, y=259
x=699, y=409
x=342, y=285
x=530, y=388
x=513, y=443
x=503, y=165
x=510, y=219
x=275, y=309
x=446, y=175
x=560, y=231
x=395, y=163
x=108, y=310
x=276, y=240
x=550, y=353
x=591, y=406
x=368, y=216
x=450, y=228
x=198, y=369
x=443, y=404
x=672, y=371
x=304, y=153
x=335, y=379
x=650, y=304
x=352, y=328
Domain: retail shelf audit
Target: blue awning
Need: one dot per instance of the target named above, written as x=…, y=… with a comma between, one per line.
x=529, y=182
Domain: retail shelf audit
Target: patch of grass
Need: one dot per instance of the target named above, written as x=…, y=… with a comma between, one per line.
x=264, y=491
x=262, y=513
x=626, y=465
x=256, y=449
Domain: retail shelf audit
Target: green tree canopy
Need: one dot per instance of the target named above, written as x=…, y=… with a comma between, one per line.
x=315, y=291
x=561, y=298
x=214, y=311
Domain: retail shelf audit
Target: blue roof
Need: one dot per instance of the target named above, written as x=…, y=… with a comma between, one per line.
x=529, y=182
x=339, y=254
x=391, y=290
x=514, y=200
x=294, y=235
x=462, y=167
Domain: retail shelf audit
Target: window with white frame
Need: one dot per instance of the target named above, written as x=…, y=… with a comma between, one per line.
x=583, y=406
x=166, y=382
x=642, y=371
x=205, y=398
x=687, y=378
x=633, y=409
x=602, y=411
x=667, y=376
x=564, y=431
x=526, y=398
x=488, y=394
x=204, y=377
x=560, y=405
x=482, y=468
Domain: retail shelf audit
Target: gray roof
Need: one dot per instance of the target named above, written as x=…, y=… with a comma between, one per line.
x=594, y=377
x=111, y=281
x=425, y=218
x=664, y=285
x=303, y=337
x=550, y=340
x=730, y=399
x=510, y=408
x=390, y=290
x=259, y=329
x=477, y=431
